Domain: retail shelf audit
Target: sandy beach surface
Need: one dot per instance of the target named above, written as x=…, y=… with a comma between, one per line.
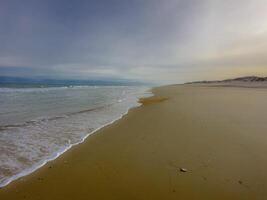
x=187, y=142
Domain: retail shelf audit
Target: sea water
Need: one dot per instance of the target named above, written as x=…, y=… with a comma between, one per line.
x=39, y=124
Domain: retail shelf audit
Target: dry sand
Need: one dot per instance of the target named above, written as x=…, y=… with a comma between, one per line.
x=217, y=134
x=246, y=84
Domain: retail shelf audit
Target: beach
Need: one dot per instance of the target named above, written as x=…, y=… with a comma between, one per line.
x=186, y=142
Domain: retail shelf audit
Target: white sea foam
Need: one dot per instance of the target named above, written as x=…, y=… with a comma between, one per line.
x=29, y=146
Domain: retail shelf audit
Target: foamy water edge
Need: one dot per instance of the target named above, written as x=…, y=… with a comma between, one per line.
x=37, y=166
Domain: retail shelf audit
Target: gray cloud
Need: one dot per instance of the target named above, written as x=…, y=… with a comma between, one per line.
x=155, y=40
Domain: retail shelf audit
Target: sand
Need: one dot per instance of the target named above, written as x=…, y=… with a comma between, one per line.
x=243, y=84
x=216, y=134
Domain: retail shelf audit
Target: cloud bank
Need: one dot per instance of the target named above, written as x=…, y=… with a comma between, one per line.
x=154, y=40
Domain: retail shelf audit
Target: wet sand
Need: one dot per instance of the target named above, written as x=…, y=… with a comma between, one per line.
x=218, y=135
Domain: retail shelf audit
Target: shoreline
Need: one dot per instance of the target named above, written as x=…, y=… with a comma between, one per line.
x=141, y=155
x=62, y=151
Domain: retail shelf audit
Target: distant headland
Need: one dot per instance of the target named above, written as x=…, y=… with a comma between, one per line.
x=246, y=81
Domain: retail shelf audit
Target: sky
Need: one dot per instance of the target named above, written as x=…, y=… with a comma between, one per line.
x=162, y=41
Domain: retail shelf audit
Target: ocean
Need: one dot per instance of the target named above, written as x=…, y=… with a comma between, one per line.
x=37, y=124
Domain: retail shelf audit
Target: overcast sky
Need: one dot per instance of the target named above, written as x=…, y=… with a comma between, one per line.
x=165, y=41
